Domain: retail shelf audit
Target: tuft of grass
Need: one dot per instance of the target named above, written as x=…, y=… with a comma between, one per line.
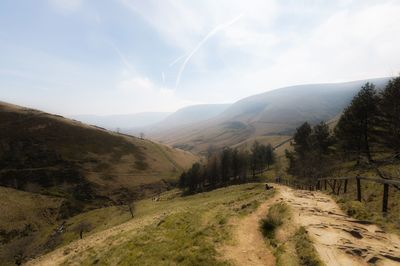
x=356, y=209
x=276, y=216
x=291, y=247
x=305, y=250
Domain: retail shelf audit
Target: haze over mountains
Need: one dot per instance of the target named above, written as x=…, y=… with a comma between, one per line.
x=271, y=115
x=123, y=121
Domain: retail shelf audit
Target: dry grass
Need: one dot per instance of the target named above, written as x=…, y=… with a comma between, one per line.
x=370, y=208
x=71, y=168
x=178, y=230
x=291, y=245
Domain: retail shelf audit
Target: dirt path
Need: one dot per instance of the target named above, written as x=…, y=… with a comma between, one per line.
x=339, y=239
x=250, y=248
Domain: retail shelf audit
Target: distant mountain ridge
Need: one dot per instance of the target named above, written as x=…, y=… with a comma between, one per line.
x=273, y=113
x=192, y=114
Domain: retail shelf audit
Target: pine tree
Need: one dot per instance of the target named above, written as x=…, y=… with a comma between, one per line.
x=389, y=108
x=236, y=163
x=193, y=177
x=356, y=128
x=302, y=139
x=256, y=158
x=226, y=164
x=321, y=139
x=182, y=180
x=212, y=170
x=269, y=155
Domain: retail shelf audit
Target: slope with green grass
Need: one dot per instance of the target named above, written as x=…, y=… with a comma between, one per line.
x=174, y=230
x=52, y=168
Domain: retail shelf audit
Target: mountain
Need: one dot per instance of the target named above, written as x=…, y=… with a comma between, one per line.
x=84, y=165
x=270, y=114
x=191, y=115
x=54, y=169
x=124, y=121
x=184, y=117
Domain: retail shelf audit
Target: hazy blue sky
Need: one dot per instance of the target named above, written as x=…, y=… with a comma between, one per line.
x=127, y=56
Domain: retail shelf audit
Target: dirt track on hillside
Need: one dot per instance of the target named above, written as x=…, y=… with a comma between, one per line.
x=338, y=239
x=249, y=247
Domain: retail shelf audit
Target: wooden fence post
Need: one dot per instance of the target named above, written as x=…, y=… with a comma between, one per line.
x=334, y=186
x=345, y=186
x=385, y=198
x=358, y=188
x=325, y=184
x=339, y=187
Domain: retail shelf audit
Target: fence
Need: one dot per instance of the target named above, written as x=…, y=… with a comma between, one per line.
x=335, y=183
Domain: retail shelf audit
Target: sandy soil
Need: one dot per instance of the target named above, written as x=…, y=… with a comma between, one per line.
x=249, y=247
x=339, y=239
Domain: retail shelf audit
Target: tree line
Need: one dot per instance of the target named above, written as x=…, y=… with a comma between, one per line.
x=227, y=167
x=368, y=126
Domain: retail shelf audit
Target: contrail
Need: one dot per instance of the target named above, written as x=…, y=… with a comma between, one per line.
x=200, y=44
x=123, y=58
x=163, y=76
x=177, y=60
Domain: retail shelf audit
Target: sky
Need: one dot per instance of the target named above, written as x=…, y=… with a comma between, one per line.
x=128, y=56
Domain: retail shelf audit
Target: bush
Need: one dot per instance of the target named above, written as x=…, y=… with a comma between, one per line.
x=275, y=218
x=356, y=209
x=305, y=249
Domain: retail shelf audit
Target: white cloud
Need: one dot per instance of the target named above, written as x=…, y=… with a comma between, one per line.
x=139, y=85
x=348, y=44
x=142, y=93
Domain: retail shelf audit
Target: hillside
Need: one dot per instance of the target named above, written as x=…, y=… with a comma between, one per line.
x=222, y=227
x=52, y=168
x=183, y=118
x=270, y=114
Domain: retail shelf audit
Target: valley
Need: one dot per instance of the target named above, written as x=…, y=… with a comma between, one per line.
x=199, y=133
x=79, y=194
x=68, y=168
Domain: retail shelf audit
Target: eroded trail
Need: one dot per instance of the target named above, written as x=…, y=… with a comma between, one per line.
x=249, y=247
x=339, y=239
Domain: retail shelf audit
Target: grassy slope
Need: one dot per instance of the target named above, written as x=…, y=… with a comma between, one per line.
x=55, y=168
x=29, y=222
x=183, y=230
x=49, y=154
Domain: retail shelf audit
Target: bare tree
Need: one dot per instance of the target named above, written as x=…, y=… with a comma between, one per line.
x=131, y=208
x=83, y=227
